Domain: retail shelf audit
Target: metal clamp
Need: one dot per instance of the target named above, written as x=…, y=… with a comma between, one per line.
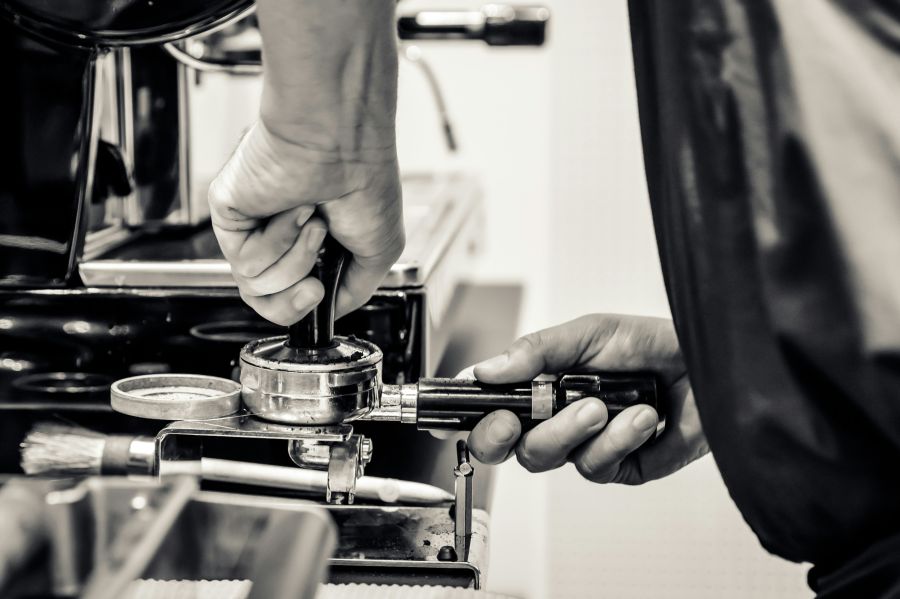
x=462, y=517
x=332, y=448
x=345, y=462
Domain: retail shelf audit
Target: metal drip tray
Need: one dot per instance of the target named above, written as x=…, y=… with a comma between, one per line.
x=441, y=212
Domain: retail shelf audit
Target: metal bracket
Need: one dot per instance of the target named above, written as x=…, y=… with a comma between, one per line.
x=332, y=448
x=462, y=520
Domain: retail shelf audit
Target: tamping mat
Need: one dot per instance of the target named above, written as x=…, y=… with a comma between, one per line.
x=378, y=591
x=240, y=589
x=188, y=589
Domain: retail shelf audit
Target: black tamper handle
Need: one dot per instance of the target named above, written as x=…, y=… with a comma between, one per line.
x=316, y=329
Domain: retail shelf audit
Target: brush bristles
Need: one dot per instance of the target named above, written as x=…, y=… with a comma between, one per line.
x=58, y=450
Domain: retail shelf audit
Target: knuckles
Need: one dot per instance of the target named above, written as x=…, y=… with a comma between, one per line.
x=594, y=474
x=530, y=343
x=527, y=459
x=276, y=310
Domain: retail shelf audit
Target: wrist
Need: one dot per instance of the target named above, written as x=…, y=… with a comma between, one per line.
x=314, y=172
x=329, y=147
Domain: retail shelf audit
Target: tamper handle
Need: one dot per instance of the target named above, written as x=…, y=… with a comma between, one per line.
x=316, y=329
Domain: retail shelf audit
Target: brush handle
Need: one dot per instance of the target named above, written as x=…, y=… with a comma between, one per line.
x=124, y=455
x=315, y=481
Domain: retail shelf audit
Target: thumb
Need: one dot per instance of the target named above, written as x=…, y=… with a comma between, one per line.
x=548, y=351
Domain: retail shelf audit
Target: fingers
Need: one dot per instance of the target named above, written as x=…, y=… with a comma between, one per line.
x=288, y=306
x=363, y=273
x=682, y=442
x=267, y=244
x=600, y=459
x=549, y=444
x=494, y=438
x=262, y=205
x=597, y=342
x=358, y=282
x=549, y=350
x=291, y=267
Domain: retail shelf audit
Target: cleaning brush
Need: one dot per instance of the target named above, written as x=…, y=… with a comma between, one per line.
x=63, y=451
x=59, y=450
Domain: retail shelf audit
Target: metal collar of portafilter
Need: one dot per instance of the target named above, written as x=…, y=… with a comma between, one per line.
x=310, y=376
x=293, y=387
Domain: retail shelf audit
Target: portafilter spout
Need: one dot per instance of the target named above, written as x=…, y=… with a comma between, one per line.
x=310, y=376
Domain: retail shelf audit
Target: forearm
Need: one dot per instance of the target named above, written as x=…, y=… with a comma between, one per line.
x=330, y=82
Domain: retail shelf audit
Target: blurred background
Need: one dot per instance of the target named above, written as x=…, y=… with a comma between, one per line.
x=554, y=134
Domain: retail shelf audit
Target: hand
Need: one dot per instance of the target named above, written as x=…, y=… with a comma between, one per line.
x=322, y=157
x=264, y=213
x=601, y=451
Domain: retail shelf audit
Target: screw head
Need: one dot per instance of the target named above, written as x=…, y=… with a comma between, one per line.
x=446, y=554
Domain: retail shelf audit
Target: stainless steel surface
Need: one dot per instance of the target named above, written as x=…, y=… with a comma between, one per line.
x=192, y=56
x=541, y=400
x=407, y=539
x=344, y=468
x=142, y=455
x=443, y=222
x=462, y=515
x=398, y=403
x=389, y=409
x=182, y=440
x=23, y=528
x=396, y=591
x=304, y=393
x=316, y=456
x=175, y=396
x=132, y=551
x=108, y=532
x=179, y=448
x=148, y=273
x=98, y=24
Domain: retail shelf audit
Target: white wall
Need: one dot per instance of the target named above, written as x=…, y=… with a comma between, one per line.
x=554, y=133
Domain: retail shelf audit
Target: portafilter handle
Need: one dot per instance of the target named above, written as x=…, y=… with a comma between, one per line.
x=316, y=329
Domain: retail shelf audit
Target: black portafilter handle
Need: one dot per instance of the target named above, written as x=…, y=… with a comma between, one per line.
x=316, y=329
x=459, y=404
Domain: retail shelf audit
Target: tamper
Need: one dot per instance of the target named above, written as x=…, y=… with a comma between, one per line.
x=310, y=376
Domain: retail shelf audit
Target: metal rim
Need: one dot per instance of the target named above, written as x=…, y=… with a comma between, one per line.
x=175, y=396
x=249, y=357
x=236, y=11
x=63, y=383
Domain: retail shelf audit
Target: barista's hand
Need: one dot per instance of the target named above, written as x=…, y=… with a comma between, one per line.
x=325, y=140
x=601, y=451
x=262, y=206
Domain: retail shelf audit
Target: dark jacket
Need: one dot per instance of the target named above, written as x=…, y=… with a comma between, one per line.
x=771, y=133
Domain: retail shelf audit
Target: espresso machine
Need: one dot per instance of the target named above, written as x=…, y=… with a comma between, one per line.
x=108, y=265
x=118, y=314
